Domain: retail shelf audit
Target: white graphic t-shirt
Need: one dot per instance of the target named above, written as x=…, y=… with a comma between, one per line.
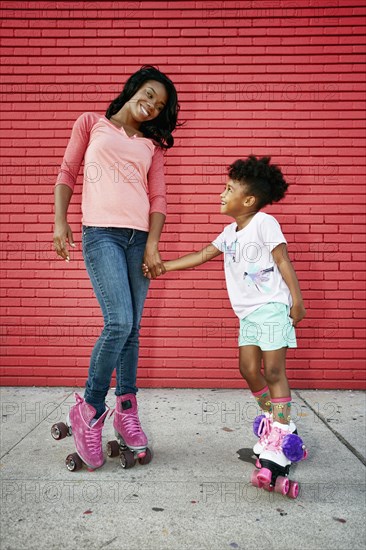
x=252, y=277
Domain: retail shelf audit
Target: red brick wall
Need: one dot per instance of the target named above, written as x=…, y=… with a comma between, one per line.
x=284, y=78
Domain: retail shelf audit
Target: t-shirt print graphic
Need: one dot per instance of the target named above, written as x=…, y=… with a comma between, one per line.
x=258, y=278
x=231, y=251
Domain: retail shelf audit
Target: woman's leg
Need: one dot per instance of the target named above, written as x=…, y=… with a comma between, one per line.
x=105, y=260
x=139, y=285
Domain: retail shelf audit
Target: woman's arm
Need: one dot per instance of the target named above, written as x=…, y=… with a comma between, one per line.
x=280, y=256
x=66, y=180
x=62, y=231
x=152, y=257
x=157, y=198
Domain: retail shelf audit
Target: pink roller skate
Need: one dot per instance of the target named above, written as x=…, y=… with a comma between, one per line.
x=87, y=435
x=131, y=444
x=262, y=427
x=282, y=449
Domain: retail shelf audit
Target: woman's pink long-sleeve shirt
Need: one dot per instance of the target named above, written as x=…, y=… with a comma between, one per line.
x=123, y=176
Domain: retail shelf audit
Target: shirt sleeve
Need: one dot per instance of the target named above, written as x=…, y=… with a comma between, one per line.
x=271, y=233
x=75, y=150
x=156, y=183
x=219, y=242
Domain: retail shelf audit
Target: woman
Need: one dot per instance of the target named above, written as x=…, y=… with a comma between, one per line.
x=123, y=213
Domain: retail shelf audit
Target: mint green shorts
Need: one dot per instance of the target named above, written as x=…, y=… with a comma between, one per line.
x=268, y=327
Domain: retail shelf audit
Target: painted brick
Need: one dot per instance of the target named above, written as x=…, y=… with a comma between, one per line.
x=288, y=82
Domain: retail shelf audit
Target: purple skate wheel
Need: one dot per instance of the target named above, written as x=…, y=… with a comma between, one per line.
x=112, y=448
x=265, y=475
x=146, y=458
x=59, y=431
x=73, y=462
x=282, y=485
x=293, y=490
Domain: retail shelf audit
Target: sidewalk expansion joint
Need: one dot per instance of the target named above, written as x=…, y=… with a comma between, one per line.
x=34, y=427
x=340, y=437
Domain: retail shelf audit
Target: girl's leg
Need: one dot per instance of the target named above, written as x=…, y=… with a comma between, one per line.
x=250, y=358
x=275, y=375
x=105, y=260
x=128, y=360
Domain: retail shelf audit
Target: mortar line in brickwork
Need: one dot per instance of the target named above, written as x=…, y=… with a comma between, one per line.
x=32, y=430
x=340, y=437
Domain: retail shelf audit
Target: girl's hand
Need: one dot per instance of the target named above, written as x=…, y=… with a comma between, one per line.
x=297, y=313
x=152, y=266
x=145, y=271
x=62, y=233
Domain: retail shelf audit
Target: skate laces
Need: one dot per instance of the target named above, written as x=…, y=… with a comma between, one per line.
x=132, y=423
x=93, y=438
x=78, y=398
x=275, y=439
x=264, y=430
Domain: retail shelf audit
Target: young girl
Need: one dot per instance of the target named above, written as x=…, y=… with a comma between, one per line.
x=263, y=290
x=123, y=213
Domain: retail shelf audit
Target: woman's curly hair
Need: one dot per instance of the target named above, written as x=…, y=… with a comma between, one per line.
x=160, y=128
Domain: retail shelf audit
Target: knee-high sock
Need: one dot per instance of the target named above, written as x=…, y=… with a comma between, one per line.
x=281, y=409
x=263, y=399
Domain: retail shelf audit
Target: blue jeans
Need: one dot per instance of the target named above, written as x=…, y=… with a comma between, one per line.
x=113, y=259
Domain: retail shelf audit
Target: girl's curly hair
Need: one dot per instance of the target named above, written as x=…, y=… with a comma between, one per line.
x=264, y=180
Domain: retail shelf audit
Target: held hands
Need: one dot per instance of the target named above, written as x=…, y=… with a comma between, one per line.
x=297, y=313
x=152, y=266
x=62, y=234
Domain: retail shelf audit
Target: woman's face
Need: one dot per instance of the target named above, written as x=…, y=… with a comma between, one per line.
x=148, y=101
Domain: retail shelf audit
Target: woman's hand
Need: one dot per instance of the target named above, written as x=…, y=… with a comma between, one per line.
x=62, y=233
x=152, y=266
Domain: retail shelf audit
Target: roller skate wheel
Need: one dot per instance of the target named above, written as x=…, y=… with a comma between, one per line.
x=112, y=448
x=127, y=459
x=282, y=485
x=146, y=458
x=59, y=431
x=293, y=490
x=73, y=462
x=306, y=454
x=265, y=476
x=254, y=480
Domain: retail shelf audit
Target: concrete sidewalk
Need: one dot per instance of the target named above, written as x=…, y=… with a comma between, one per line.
x=195, y=494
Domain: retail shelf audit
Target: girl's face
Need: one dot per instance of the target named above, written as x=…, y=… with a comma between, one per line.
x=148, y=101
x=235, y=199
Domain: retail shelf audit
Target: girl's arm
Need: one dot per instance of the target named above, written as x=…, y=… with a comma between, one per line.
x=280, y=256
x=194, y=259
x=190, y=260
